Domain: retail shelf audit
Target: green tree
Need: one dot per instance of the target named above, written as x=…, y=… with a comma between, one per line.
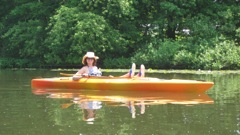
x=23, y=30
x=24, y=40
x=72, y=33
x=176, y=33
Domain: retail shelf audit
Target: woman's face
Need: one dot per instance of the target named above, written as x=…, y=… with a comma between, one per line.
x=90, y=61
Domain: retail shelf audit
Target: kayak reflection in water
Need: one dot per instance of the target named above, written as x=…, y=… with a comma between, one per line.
x=89, y=109
x=89, y=61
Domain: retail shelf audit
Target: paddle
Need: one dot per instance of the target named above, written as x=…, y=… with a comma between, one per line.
x=110, y=76
x=64, y=106
x=80, y=76
x=75, y=77
x=70, y=75
x=65, y=74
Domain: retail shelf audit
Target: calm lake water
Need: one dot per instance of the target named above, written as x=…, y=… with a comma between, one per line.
x=61, y=112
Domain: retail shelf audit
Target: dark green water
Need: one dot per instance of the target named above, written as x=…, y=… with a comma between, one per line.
x=41, y=112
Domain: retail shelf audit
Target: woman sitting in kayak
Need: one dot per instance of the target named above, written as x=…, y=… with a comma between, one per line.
x=90, y=69
x=89, y=61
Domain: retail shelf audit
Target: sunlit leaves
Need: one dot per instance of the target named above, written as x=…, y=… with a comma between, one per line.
x=224, y=56
x=184, y=59
x=72, y=33
x=160, y=54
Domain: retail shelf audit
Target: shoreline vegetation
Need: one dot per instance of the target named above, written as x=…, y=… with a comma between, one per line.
x=159, y=34
x=163, y=71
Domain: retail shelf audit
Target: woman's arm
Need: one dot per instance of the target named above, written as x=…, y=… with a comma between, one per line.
x=82, y=71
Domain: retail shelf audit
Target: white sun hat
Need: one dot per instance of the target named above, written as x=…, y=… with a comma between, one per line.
x=89, y=55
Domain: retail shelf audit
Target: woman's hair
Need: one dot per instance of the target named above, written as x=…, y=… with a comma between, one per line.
x=94, y=62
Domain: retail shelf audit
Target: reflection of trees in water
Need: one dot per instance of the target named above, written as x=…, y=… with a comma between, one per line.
x=226, y=87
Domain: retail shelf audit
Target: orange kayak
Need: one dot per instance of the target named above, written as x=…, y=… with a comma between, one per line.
x=118, y=83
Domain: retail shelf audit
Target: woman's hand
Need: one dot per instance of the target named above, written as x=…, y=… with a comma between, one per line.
x=77, y=77
x=85, y=75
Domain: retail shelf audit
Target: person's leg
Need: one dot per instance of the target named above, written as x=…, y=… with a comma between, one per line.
x=132, y=71
x=141, y=72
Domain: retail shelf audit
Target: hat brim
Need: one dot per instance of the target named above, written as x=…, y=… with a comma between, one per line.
x=84, y=57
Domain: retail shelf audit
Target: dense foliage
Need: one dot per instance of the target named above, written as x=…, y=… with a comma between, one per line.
x=173, y=34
